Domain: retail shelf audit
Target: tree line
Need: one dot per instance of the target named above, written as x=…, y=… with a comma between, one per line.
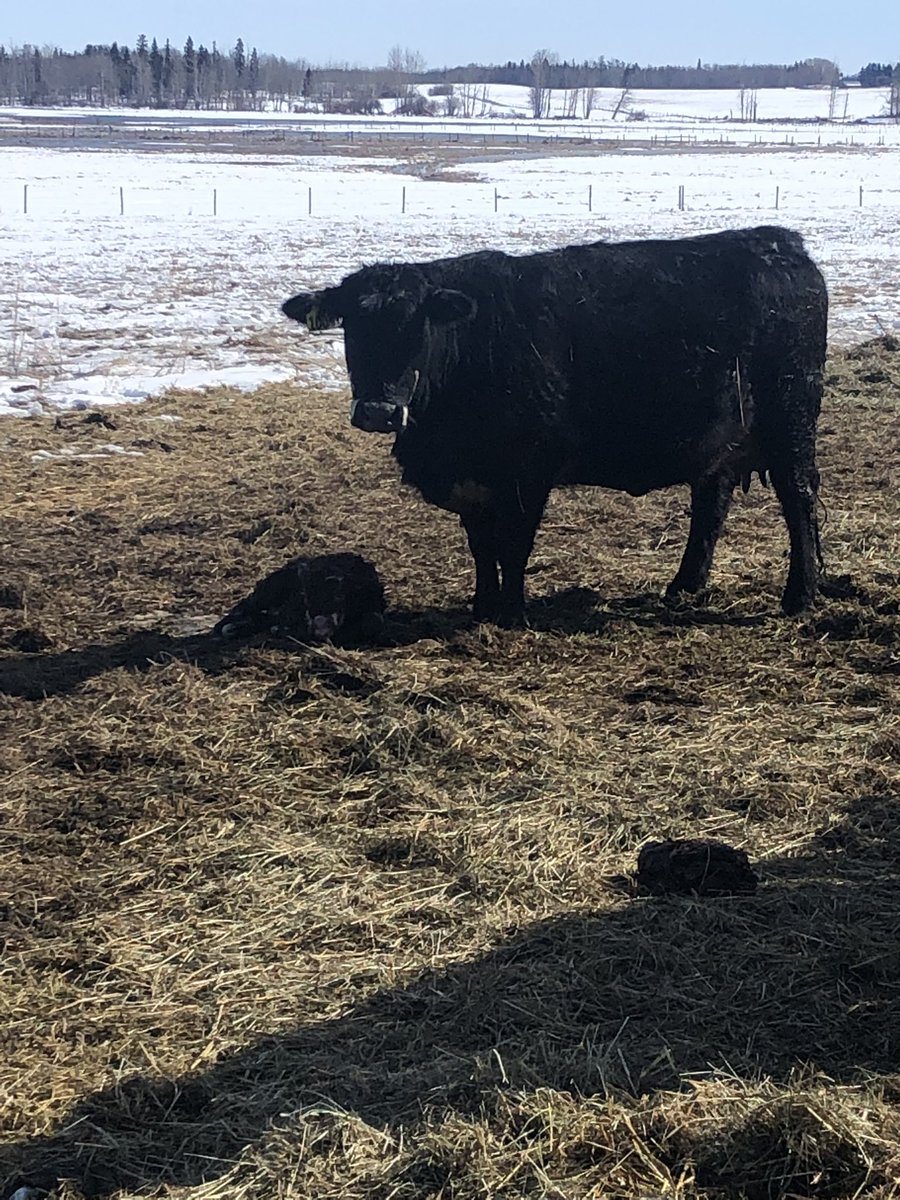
x=195, y=75
x=147, y=75
x=615, y=73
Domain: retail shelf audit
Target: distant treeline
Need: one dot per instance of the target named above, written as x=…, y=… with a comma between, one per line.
x=155, y=75
x=602, y=72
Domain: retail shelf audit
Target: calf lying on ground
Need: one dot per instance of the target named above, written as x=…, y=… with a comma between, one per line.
x=334, y=597
x=632, y=365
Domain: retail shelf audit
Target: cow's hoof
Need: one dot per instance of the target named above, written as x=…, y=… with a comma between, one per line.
x=486, y=612
x=501, y=617
x=795, y=605
x=684, y=589
x=513, y=619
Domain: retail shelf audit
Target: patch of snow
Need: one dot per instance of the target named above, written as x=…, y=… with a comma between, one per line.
x=80, y=394
x=99, y=308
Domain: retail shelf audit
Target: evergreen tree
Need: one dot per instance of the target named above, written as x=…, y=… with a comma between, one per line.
x=156, y=73
x=203, y=76
x=125, y=75
x=36, y=89
x=218, y=75
x=253, y=73
x=141, y=71
x=168, y=73
x=875, y=74
x=189, y=66
x=237, y=57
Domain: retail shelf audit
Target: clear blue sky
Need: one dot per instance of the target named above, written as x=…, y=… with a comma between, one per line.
x=449, y=32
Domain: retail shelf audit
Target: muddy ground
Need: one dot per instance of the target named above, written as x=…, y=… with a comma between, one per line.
x=293, y=922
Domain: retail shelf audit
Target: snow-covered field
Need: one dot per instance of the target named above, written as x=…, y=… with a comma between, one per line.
x=794, y=116
x=97, y=305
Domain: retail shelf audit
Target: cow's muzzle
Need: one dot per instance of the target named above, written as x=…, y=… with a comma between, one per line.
x=379, y=416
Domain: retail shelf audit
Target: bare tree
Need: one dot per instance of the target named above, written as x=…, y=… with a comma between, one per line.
x=894, y=97
x=451, y=102
x=624, y=101
x=403, y=65
x=539, y=89
x=587, y=101
x=473, y=99
x=748, y=97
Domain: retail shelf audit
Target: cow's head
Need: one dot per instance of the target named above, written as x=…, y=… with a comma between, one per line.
x=389, y=314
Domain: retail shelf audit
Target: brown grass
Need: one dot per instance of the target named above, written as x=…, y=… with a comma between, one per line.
x=357, y=923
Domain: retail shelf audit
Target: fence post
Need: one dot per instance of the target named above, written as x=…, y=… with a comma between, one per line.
x=860, y=195
x=590, y=197
x=26, y=199
x=310, y=202
x=121, y=202
x=495, y=199
x=777, y=194
x=403, y=202
x=215, y=207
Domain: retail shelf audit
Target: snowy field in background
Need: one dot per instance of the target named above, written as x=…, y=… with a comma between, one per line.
x=98, y=307
x=840, y=119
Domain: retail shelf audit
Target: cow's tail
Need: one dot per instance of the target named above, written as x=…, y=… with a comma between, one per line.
x=820, y=557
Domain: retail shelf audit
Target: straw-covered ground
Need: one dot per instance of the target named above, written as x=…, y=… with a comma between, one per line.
x=282, y=922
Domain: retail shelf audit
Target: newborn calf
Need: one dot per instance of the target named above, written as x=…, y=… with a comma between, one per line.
x=329, y=598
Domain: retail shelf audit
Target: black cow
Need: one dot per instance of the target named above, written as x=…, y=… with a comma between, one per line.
x=631, y=365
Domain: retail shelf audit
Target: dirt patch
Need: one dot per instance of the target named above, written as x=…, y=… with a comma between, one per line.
x=352, y=922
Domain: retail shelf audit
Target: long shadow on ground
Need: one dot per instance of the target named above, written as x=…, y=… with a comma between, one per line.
x=805, y=971
x=34, y=676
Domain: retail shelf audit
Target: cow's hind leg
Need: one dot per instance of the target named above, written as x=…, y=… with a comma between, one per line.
x=517, y=524
x=797, y=488
x=710, y=501
x=481, y=531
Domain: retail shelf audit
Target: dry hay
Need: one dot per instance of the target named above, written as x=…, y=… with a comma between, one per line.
x=358, y=923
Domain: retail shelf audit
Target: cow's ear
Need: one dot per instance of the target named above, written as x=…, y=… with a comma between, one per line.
x=315, y=310
x=447, y=307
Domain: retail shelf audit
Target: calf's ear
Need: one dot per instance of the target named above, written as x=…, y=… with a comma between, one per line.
x=445, y=306
x=315, y=310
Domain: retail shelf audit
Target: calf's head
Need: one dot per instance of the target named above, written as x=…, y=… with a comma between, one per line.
x=301, y=600
x=388, y=314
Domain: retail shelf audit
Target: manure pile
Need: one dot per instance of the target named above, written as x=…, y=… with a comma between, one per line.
x=360, y=923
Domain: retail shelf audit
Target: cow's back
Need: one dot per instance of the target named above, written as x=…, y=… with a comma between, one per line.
x=630, y=364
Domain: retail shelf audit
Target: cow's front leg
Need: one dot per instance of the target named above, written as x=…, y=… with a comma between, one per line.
x=481, y=531
x=710, y=500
